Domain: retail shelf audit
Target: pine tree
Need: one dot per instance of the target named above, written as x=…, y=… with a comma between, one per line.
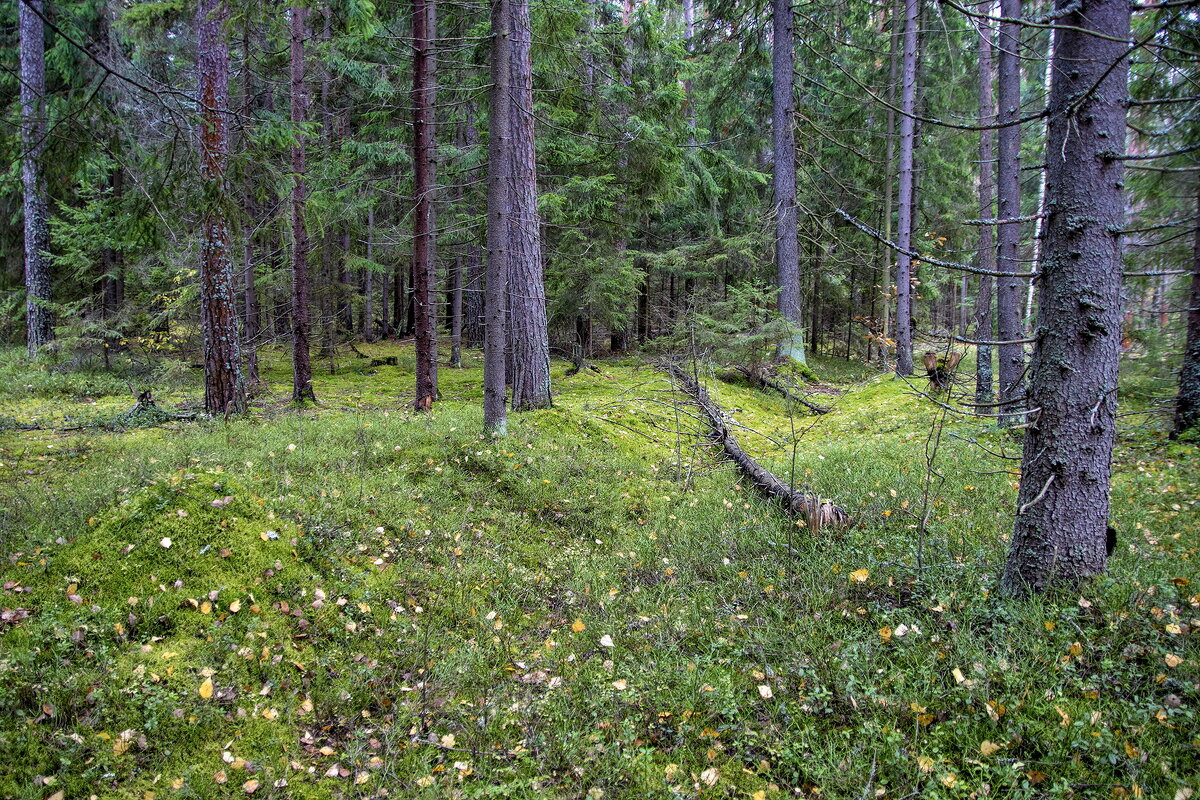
x=424, y=192
x=302, y=388
x=1063, y=502
x=224, y=388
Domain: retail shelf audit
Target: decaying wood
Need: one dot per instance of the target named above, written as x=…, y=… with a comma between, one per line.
x=818, y=512
x=766, y=382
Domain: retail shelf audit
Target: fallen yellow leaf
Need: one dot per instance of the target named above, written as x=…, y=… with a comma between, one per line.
x=206, y=688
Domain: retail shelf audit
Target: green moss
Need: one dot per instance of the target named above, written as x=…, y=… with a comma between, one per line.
x=427, y=582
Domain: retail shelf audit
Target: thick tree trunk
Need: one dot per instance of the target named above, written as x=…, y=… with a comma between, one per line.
x=908, y=96
x=1187, y=405
x=425, y=190
x=1063, y=503
x=787, y=245
x=984, y=394
x=224, y=389
x=526, y=289
x=301, y=366
x=1008, y=206
x=499, y=222
x=38, y=317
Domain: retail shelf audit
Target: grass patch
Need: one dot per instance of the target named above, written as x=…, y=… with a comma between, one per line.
x=589, y=607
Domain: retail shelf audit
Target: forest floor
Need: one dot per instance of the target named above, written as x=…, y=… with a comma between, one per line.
x=353, y=600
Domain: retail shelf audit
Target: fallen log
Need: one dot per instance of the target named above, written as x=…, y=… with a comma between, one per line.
x=817, y=512
x=764, y=382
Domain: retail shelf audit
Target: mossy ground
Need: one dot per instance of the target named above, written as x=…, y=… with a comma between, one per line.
x=389, y=604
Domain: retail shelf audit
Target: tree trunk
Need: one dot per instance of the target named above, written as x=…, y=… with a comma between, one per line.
x=251, y=310
x=1187, y=405
x=425, y=190
x=908, y=96
x=410, y=303
x=526, y=289
x=38, y=316
x=346, y=286
x=885, y=287
x=473, y=319
x=113, y=281
x=1008, y=206
x=643, y=299
x=987, y=252
x=787, y=246
x=1060, y=532
x=368, y=316
x=301, y=366
x=224, y=390
x=397, y=298
x=499, y=219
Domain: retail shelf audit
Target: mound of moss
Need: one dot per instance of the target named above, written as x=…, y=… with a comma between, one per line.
x=193, y=530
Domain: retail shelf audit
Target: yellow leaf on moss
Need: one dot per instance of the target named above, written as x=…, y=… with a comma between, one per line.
x=206, y=688
x=860, y=575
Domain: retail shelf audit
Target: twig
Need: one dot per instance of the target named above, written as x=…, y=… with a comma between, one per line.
x=1037, y=499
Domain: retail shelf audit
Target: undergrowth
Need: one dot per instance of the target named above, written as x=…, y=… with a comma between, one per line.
x=353, y=600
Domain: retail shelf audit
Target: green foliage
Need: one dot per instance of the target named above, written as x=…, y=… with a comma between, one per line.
x=744, y=329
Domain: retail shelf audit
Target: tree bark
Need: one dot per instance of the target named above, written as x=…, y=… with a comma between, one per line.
x=38, y=316
x=889, y=178
x=908, y=96
x=224, y=389
x=1063, y=504
x=1008, y=206
x=473, y=319
x=819, y=512
x=984, y=394
x=301, y=365
x=425, y=190
x=251, y=310
x=526, y=289
x=1187, y=405
x=368, y=320
x=499, y=218
x=787, y=245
